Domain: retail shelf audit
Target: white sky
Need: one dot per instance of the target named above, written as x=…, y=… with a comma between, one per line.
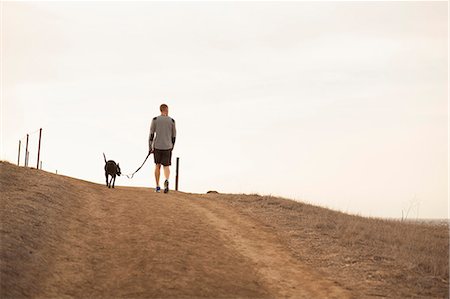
x=340, y=104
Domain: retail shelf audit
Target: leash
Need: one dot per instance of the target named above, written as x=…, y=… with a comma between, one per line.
x=130, y=177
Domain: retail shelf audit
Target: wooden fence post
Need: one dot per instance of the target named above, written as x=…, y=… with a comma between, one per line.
x=39, y=148
x=18, y=156
x=177, y=173
x=26, y=152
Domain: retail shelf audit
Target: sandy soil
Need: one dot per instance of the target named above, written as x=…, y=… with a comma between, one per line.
x=62, y=237
x=369, y=257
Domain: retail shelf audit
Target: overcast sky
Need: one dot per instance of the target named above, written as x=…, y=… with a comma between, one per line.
x=340, y=104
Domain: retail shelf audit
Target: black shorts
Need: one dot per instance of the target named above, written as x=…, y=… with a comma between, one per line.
x=163, y=157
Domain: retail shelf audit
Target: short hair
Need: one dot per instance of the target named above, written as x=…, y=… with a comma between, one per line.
x=163, y=107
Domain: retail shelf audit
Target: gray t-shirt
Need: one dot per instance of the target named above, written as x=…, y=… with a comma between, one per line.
x=163, y=128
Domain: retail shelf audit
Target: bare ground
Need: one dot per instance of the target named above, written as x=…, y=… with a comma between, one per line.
x=63, y=237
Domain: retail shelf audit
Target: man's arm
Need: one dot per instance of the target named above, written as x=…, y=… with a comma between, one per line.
x=174, y=133
x=152, y=135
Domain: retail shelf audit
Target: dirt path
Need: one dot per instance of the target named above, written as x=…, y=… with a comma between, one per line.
x=132, y=242
x=282, y=274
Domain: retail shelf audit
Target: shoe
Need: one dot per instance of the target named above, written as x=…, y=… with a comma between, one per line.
x=166, y=186
x=158, y=189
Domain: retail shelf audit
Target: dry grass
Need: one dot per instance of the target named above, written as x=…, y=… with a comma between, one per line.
x=62, y=237
x=373, y=257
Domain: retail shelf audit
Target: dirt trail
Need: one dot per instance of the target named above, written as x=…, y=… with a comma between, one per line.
x=63, y=237
x=283, y=275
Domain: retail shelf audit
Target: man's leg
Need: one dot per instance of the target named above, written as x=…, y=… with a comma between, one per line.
x=166, y=182
x=157, y=173
x=167, y=172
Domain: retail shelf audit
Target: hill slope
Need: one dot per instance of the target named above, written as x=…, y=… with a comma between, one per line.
x=63, y=237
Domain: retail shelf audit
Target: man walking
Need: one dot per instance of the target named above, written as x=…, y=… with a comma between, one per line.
x=161, y=143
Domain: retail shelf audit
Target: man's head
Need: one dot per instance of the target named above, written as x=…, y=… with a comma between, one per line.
x=164, y=109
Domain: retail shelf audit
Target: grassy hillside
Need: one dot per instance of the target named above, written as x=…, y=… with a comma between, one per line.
x=63, y=237
x=383, y=257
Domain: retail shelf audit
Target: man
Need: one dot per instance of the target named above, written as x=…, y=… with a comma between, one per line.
x=161, y=143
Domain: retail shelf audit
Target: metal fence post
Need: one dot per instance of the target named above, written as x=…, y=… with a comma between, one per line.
x=18, y=156
x=26, y=152
x=176, y=174
x=39, y=148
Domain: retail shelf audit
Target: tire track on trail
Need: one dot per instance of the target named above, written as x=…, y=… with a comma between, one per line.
x=281, y=273
x=134, y=243
x=67, y=238
x=63, y=237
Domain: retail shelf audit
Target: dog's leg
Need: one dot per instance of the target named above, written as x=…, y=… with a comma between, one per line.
x=109, y=185
x=106, y=175
x=114, y=180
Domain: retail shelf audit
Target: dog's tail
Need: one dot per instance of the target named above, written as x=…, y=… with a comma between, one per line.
x=104, y=157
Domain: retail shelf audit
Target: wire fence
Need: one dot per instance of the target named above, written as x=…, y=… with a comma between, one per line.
x=29, y=149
